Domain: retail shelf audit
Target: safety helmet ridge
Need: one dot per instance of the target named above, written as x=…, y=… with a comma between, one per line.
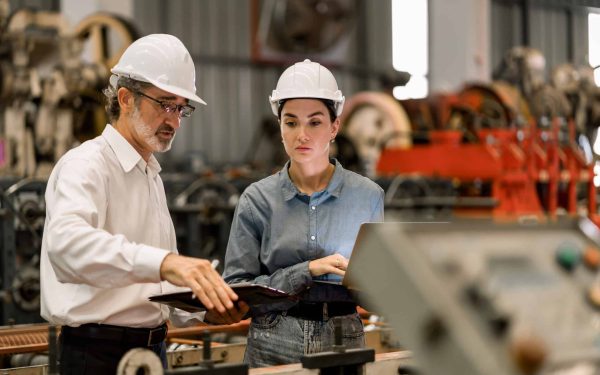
x=163, y=61
x=307, y=79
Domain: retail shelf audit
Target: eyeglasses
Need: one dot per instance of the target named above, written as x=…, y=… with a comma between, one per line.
x=181, y=110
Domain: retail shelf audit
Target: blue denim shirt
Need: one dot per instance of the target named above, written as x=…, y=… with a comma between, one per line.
x=277, y=230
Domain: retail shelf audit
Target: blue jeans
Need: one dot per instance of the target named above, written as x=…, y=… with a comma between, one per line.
x=276, y=338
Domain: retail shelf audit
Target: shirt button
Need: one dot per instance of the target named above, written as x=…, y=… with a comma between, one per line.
x=313, y=208
x=312, y=238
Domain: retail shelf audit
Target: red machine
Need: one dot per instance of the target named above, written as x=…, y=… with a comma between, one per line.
x=530, y=168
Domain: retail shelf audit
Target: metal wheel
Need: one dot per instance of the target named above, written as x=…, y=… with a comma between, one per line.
x=140, y=359
x=373, y=121
x=107, y=36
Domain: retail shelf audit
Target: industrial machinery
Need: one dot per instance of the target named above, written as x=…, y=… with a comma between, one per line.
x=201, y=206
x=50, y=91
x=24, y=349
x=51, y=76
x=318, y=30
x=372, y=121
x=514, y=147
x=476, y=297
x=22, y=212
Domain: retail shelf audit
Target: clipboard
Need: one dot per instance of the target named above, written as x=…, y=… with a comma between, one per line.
x=252, y=294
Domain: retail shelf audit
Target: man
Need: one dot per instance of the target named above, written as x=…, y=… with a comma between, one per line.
x=109, y=242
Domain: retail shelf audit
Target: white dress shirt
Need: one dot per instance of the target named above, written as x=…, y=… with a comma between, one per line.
x=106, y=233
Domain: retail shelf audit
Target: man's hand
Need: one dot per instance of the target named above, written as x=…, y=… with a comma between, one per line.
x=335, y=263
x=206, y=283
x=231, y=316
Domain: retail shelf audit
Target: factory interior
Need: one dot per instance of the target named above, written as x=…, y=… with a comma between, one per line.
x=478, y=118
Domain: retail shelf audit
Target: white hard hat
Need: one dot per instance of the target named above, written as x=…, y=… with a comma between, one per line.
x=162, y=60
x=307, y=80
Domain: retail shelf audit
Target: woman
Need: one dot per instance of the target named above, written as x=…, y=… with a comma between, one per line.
x=299, y=225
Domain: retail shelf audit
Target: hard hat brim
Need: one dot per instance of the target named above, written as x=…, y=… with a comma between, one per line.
x=168, y=88
x=178, y=91
x=339, y=102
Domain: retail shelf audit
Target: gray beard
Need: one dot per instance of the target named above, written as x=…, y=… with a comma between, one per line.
x=148, y=135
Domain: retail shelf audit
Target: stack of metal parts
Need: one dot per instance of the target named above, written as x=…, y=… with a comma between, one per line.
x=23, y=345
x=22, y=212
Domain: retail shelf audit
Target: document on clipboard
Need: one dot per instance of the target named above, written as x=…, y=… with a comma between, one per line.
x=252, y=294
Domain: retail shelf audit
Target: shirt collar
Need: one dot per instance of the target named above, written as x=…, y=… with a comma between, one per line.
x=127, y=155
x=290, y=190
x=337, y=180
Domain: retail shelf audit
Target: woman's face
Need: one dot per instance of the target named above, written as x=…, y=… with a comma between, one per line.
x=307, y=130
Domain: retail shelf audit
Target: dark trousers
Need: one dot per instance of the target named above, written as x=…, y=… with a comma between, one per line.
x=91, y=356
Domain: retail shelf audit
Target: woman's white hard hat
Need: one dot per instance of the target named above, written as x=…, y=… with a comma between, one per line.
x=162, y=60
x=307, y=79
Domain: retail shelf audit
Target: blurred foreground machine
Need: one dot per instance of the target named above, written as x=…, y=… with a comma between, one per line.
x=475, y=298
x=193, y=350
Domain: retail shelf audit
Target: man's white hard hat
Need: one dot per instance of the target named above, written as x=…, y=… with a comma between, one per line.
x=162, y=60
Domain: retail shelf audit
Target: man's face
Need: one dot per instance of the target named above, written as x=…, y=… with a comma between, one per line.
x=153, y=138
x=152, y=128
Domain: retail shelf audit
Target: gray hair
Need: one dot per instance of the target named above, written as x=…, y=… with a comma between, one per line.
x=113, y=110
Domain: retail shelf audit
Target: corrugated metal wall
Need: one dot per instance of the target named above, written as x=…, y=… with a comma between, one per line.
x=218, y=35
x=35, y=4
x=557, y=29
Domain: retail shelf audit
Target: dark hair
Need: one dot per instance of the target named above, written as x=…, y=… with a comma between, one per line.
x=113, y=110
x=330, y=104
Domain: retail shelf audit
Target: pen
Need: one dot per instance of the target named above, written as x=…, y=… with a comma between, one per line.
x=214, y=264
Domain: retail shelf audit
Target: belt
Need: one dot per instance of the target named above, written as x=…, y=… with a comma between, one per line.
x=321, y=310
x=125, y=335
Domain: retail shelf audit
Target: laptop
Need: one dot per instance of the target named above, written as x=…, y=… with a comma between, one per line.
x=334, y=279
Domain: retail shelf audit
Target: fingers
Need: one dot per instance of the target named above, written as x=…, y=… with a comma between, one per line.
x=337, y=271
x=214, y=293
x=206, y=283
x=242, y=308
x=231, y=316
x=198, y=274
x=224, y=292
x=339, y=262
x=336, y=264
x=227, y=317
x=214, y=317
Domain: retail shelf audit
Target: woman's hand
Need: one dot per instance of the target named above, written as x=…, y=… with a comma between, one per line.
x=335, y=263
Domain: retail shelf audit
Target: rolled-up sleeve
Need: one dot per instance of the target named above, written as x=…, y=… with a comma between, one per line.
x=242, y=259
